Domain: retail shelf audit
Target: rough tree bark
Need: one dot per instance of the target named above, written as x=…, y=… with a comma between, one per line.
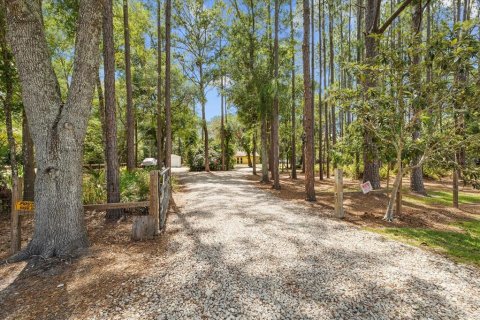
x=113, y=169
x=308, y=110
x=327, y=136
x=416, y=175
x=28, y=162
x=251, y=40
x=254, y=138
x=312, y=66
x=396, y=186
x=57, y=127
x=160, y=155
x=263, y=138
x=168, y=108
x=101, y=111
x=371, y=162
x=128, y=79
x=271, y=72
x=331, y=17
x=294, y=120
x=275, y=142
x=320, y=133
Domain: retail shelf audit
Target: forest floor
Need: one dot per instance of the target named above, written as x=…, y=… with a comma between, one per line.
x=232, y=250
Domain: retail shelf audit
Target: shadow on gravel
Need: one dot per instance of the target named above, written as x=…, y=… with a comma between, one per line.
x=252, y=277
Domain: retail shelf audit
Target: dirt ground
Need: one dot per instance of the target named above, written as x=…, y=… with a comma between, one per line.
x=367, y=210
x=74, y=288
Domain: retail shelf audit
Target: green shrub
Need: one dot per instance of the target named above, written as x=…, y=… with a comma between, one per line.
x=196, y=159
x=134, y=186
x=94, y=189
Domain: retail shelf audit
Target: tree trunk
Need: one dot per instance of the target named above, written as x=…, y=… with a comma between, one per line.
x=160, y=124
x=416, y=175
x=28, y=162
x=320, y=133
x=327, y=137
x=113, y=169
x=371, y=163
x=101, y=112
x=302, y=159
x=204, y=120
x=294, y=120
x=341, y=77
x=168, y=109
x=455, y=188
x=275, y=140
x=271, y=73
x=332, y=76
x=222, y=126
x=251, y=66
x=312, y=75
x=263, y=137
x=249, y=159
x=128, y=79
x=58, y=129
x=308, y=110
x=359, y=59
x=254, y=164
x=270, y=143
x=388, y=175
x=393, y=197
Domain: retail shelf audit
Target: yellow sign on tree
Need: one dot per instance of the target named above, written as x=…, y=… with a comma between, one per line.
x=25, y=206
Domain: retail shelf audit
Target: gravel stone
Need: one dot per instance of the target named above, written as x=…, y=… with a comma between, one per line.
x=237, y=252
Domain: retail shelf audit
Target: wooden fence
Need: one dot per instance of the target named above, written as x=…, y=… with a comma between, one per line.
x=144, y=227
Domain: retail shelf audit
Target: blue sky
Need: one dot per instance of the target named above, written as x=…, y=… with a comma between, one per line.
x=212, y=108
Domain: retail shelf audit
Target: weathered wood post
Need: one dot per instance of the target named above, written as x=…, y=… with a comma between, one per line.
x=145, y=227
x=16, y=231
x=339, y=212
x=154, y=209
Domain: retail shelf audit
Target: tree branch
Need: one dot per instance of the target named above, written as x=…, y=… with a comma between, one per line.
x=85, y=64
x=40, y=89
x=426, y=5
x=394, y=15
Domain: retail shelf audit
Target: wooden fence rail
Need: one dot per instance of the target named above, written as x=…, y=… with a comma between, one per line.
x=158, y=203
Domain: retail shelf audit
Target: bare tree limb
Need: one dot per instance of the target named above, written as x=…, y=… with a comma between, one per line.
x=394, y=15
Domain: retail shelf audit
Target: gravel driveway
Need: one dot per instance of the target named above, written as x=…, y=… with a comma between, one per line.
x=235, y=251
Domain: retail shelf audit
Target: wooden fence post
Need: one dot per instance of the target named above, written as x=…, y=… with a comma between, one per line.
x=340, y=213
x=154, y=209
x=16, y=231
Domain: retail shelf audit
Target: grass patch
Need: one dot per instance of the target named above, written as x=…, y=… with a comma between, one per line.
x=461, y=246
x=438, y=197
